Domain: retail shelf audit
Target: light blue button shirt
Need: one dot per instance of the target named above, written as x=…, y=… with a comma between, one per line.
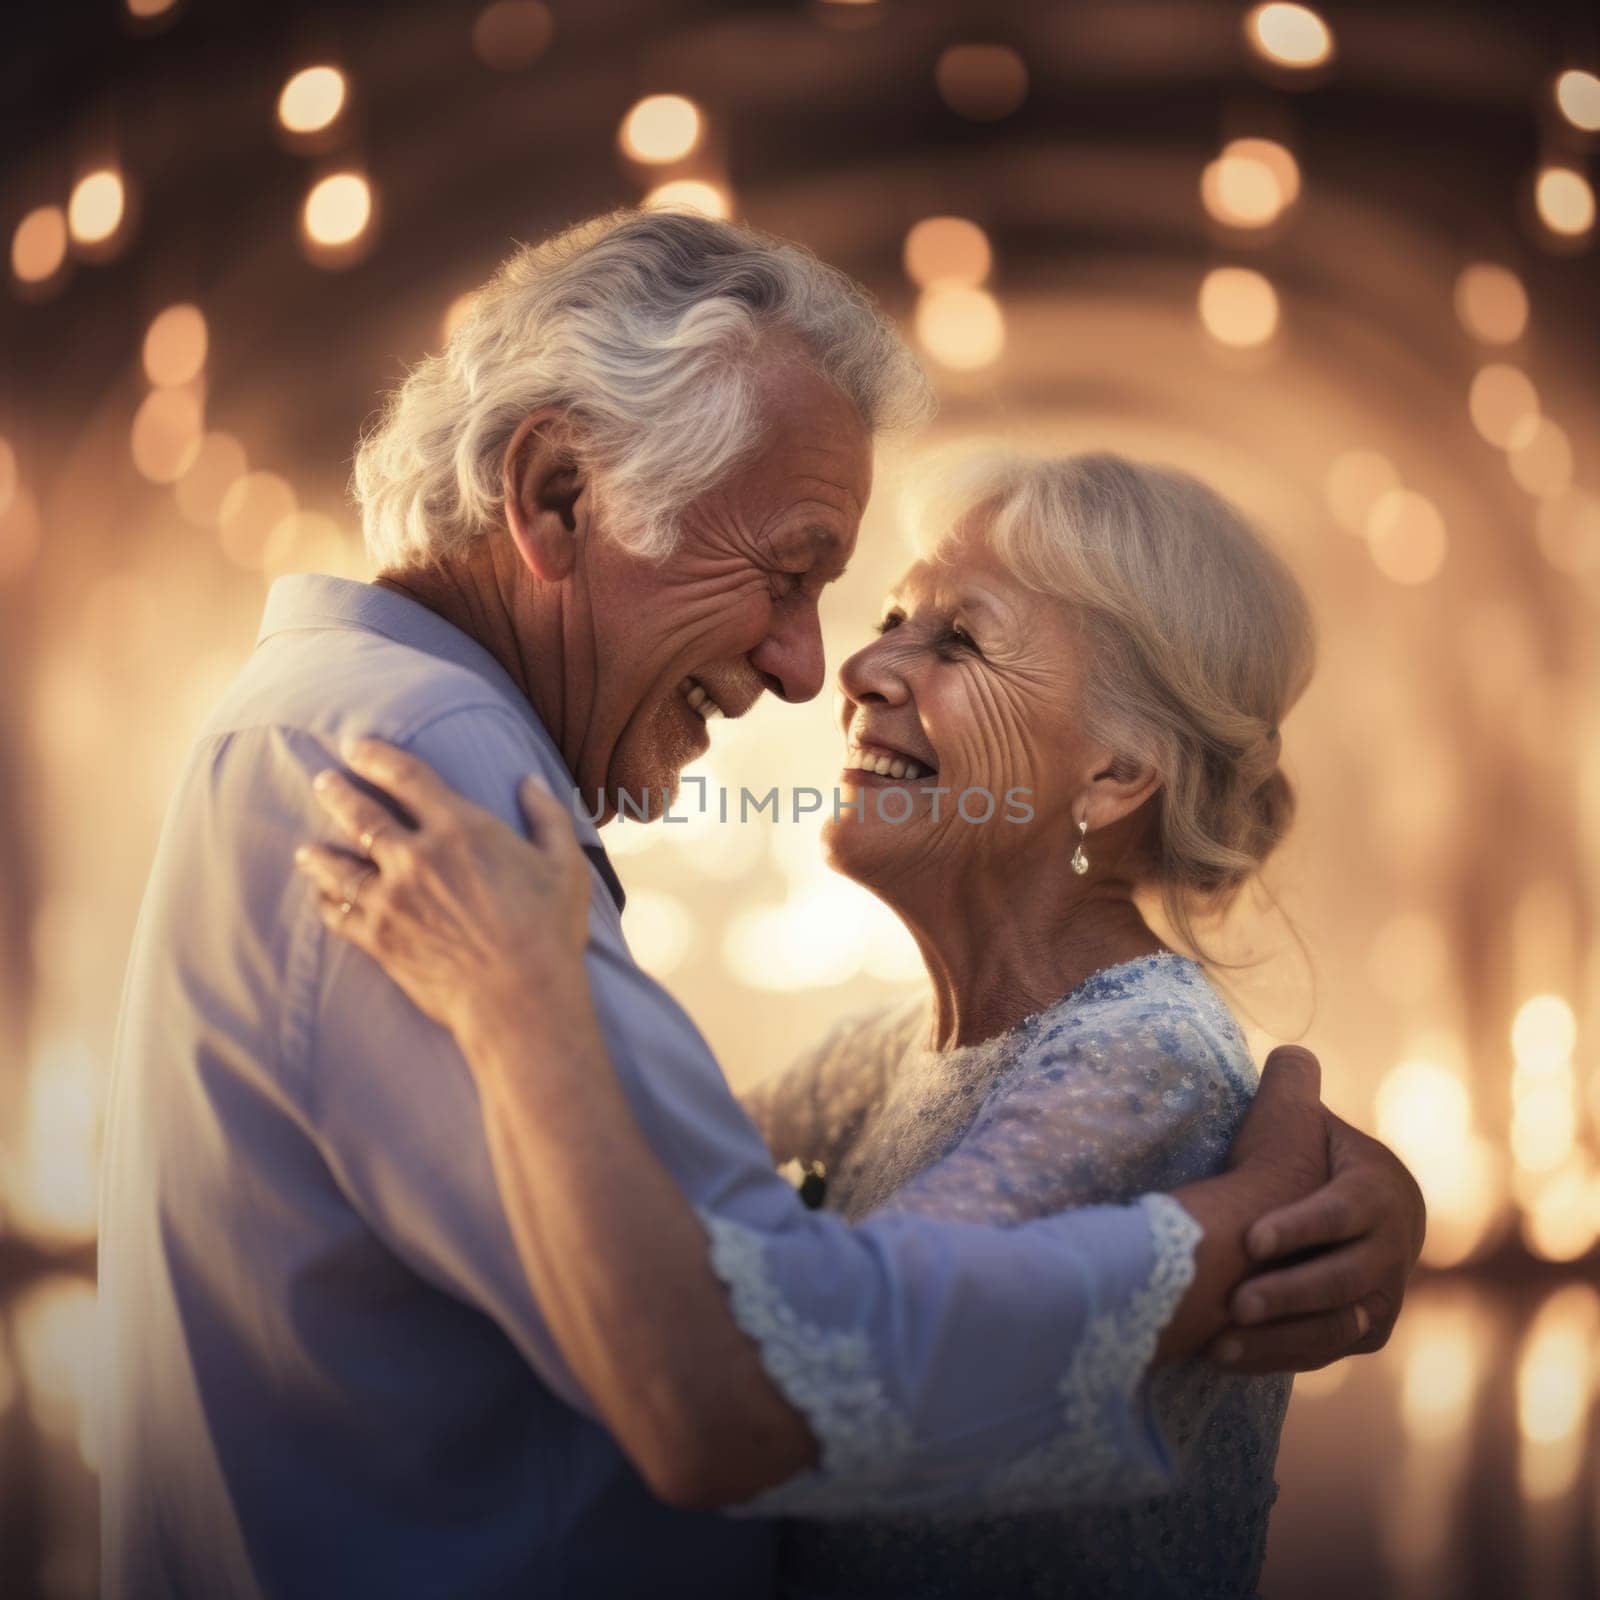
x=324, y=1371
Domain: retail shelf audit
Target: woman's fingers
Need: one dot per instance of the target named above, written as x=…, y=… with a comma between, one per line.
x=410, y=781
x=549, y=822
x=369, y=825
x=336, y=872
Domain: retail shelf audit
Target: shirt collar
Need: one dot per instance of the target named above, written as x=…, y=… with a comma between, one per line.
x=311, y=600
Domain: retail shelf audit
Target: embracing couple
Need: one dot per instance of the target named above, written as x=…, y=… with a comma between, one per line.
x=437, y=1256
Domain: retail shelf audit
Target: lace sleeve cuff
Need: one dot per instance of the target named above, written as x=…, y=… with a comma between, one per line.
x=1086, y=1434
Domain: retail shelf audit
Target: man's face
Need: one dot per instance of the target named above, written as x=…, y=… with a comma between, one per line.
x=733, y=610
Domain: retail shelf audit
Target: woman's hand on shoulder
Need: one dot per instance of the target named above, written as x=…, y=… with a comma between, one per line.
x=470, y=918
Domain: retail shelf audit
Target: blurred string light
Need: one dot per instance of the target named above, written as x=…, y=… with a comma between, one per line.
x=947, y=250
x=1238, y=307
x=1501, y=398
x=512, y=35
x=959, y=326
x=660, y=931
x=1577, y=96
x=1540, y=456
x=1491, y=303
x=55, y=1326
x=1289, y=35
x=1406, y=536
x=1251, y=183
x=1568, y=528
x=310, y=541
x=1355, y=481
x=98, y=204
x=1565, y=202
x=166, y=434
x=144, y=9
x=337, y=218
x=219, y=463
x=250, y=509
x=312, y=99
x=1555, y=1388
x=39, y=246
x=1424, y=1110
x=175, y=346
x=690, y=194
x=982, y=82
x=53, y=1188
x=1444, y=1363
x=661, y=128
x=9, y=475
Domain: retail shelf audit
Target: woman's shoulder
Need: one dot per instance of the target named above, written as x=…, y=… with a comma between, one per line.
x=1157, y=1010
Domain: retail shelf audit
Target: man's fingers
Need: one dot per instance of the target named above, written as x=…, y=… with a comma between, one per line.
x=1340, y=1210
x=1295, y=1344
x=1324, y=1283
x=1291, y=1073
x=410, y=781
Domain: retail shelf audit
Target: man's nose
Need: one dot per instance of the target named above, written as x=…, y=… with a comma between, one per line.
x=790, y=658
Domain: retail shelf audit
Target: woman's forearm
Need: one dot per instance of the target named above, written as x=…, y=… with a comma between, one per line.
x=619, y=1263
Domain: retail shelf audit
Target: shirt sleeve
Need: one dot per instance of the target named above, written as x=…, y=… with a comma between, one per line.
x=926, y=1355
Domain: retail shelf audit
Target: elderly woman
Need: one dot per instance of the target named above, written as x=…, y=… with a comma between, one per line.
x=1109, y=647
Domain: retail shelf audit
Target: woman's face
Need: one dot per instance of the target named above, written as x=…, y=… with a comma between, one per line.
x=973, y=687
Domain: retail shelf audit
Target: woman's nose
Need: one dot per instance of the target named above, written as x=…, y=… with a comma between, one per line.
x=871, y=675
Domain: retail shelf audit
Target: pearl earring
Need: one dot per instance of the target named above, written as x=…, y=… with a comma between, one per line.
x=1080, y=862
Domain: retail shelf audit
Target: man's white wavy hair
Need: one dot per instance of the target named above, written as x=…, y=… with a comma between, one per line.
x=646, y=328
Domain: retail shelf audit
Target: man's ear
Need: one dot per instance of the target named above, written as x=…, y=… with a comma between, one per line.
x=547, y=498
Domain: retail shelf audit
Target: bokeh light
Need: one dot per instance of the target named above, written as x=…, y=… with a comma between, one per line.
x=218, y=464
x=251, y=508
x=661, y=128
x=312, y=99
x=1251, y=183
x=1577, y=95
x=690, y=194
x=97, y=206
x=337, y=213
x=1406, y=536
x=1289, y=35
x=175, y=346
x=982, y=82
x=1569, y=532
x=166, y=434
x=1501, y=399
x=960, y=327
x=1491, y=303
x=1353, y=485
x=21, y=530
x=1540, y=456
x=1565, y=201
x=39, y=246
x=948, y=250
x=1238, y=306
x=455, y=314
x=512, y=35
x=144, y=9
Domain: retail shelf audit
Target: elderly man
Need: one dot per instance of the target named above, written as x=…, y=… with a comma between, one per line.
x=606, y=510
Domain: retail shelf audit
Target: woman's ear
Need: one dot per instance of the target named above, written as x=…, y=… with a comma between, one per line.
x=547, y=498
x=1119, y=786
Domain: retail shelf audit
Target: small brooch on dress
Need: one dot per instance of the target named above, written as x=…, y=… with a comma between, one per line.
x=810, y=1180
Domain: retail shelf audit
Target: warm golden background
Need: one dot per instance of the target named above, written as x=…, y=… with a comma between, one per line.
x=1338, y=262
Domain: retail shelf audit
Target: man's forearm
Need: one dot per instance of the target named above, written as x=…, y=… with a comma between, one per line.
x=620, y=1264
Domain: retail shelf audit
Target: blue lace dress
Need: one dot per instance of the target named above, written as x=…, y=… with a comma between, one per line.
x=1135, y=1082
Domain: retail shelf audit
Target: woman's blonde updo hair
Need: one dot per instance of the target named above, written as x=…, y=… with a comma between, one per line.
x=1200, y=640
